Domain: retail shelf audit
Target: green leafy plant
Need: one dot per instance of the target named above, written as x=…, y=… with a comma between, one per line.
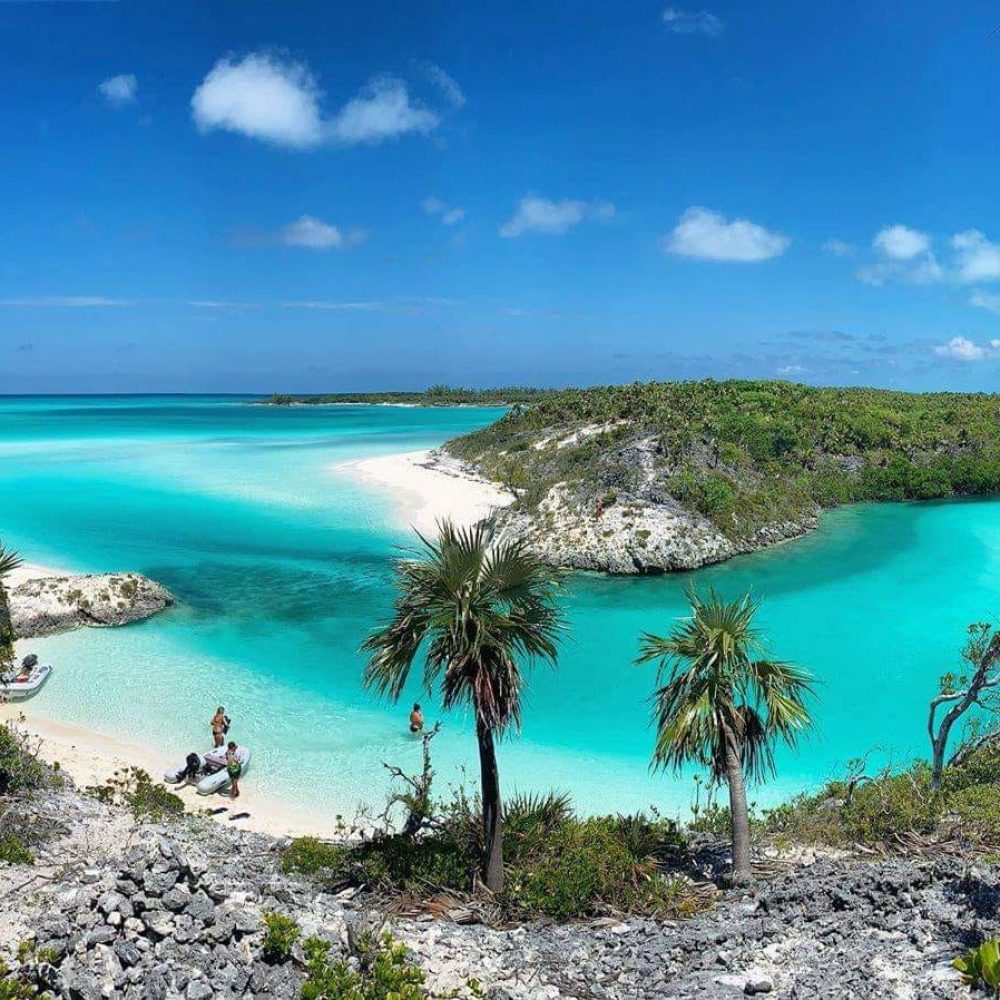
x=134, y=789
x=384, y=972
x=980, y=966
x=311, y=856
x=14, y=850
x=280, y=934
x=21, y=769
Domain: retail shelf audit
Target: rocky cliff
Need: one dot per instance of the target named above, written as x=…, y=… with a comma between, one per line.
x=45, y=605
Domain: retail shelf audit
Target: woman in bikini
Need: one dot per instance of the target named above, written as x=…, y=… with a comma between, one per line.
x=219, y=724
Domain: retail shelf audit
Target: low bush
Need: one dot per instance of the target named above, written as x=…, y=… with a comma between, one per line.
x=980, y=966
x=311, y=856
x=135, y=790
x=14, y=850
x=384, y=972
x=21, y=769
x=280, y=934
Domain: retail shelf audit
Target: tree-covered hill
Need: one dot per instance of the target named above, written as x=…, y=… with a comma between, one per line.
x=750, y=461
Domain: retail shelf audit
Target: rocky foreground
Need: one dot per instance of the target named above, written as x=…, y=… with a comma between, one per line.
x=45, y=605
x=174, y=910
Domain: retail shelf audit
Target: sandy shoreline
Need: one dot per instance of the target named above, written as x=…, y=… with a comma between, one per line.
x=426, y=486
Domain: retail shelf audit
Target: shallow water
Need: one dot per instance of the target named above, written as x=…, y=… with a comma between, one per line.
x=282, y=566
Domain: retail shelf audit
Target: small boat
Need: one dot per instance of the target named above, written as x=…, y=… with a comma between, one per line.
x=25, y=683
x=212, y=773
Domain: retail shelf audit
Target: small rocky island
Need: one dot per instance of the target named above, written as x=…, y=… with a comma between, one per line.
x=661, y=476
x=49, y=604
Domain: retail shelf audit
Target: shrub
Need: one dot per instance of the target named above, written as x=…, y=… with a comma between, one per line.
x=20, y=767
x=980, y=966
x=892, y=804
x=15, y=851
x=280, y=935
x=384, y=972
x=135, y=790
x=977, y=807
x=311, y=856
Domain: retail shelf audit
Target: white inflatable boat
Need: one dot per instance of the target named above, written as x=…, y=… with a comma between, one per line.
x=212, y=773
x=17, y=687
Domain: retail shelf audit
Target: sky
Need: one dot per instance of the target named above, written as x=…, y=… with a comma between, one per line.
x=256, y=197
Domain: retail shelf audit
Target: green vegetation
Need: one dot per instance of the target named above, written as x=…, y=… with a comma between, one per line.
x=980, y=966
x=34, y=975
x=437, y=395
x=742, y=453
x=280, y=934
x=384, y=972
x=478, y=607
x=719, y=706
x=9, y=561
x=14, y=850
x=310, y=856
x=134, y=789
x=557, y=864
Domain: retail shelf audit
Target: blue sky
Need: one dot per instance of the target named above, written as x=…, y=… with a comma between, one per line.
x=205, y=196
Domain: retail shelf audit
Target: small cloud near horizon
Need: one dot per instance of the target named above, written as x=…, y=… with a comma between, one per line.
x=541, y=215
x=449, y=215
x=119, y=90
x=693, y=22
x=962, y=349
x=707, y=235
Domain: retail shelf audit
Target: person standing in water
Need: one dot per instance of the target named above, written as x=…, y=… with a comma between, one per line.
x=220, y=726
x=416, y=719
x=234, y=769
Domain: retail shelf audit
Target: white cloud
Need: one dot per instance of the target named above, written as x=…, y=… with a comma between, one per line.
x=962, y=349
x=67, y=302
x=986, y=300
x=315, y=234
x=119, y=90
x=447, y=84
x=707, y=235
x=976, y=258
x=449, y=215
x=382, y=110
x=263, y=98
x=324, y=304
x=692, y=22
x=839, y=248
x=901, y=242
x=792, y=370
x=540, y=215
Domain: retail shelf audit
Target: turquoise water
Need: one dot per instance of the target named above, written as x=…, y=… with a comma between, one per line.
x=281, y=565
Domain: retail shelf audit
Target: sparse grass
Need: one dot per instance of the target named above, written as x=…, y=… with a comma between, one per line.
x=134, y=789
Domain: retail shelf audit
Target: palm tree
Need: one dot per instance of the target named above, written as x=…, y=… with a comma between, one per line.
x=483, y=605
x=717, y=706
x=9, y=561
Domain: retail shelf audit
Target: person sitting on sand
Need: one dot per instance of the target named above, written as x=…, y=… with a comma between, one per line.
x=234, y=769
x=220, y=726
x=416, y=719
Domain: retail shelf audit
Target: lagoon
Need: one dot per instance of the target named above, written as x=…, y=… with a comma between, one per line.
x=281, y=566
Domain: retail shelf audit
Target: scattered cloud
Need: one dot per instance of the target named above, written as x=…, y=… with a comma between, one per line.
x=448, y=214
x=447, y=84
x=67, y=302
x=311, y=232
x=985, y=300
x=273, y=100
x=383, y=110
x=335, y=306
x=540, y=215
x=793, y=370
x=263, y=98
x=962, y=349
x=901, y=242
x=976, y=258
x=693, y=22
x=839, y=248
x=707, y=235
x=119, y=90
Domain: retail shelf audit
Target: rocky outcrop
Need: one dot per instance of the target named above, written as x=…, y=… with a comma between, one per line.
x=638, y=535
x=45, y=605
x=175, y=910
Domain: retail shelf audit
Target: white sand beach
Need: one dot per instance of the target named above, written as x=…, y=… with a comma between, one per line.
x=426, y=486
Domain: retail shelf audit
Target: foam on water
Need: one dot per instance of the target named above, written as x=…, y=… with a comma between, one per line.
x=281, y=567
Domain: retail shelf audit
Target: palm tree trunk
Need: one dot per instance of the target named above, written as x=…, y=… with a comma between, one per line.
x=738, y=814
x=6, y=630
x=492, y=872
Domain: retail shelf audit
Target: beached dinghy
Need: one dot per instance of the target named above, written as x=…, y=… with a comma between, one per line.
x=176, y=773
x=26, y=682
x=215, y=762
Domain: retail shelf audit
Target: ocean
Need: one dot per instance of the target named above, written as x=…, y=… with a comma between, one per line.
x=281, y=566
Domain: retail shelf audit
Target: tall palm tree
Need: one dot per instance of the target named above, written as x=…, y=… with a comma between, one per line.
x=484, y=606
x=9, y=561
x=718, y=706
